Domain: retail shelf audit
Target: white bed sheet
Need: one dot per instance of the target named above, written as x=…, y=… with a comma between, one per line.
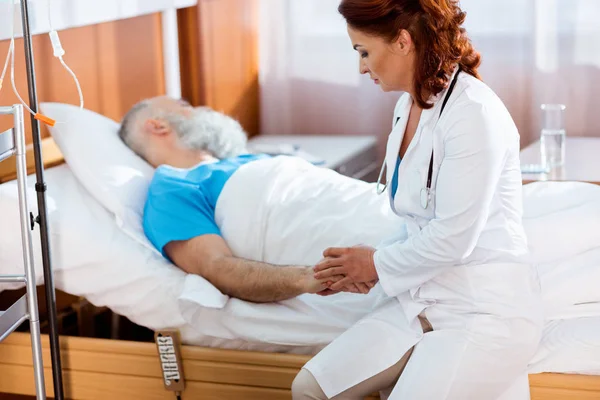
x=95, y=259
x=570, y=346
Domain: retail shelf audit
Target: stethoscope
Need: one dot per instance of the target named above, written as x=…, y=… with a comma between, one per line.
x=425, y=194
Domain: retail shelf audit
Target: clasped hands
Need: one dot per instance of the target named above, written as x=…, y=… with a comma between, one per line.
x=348, y=269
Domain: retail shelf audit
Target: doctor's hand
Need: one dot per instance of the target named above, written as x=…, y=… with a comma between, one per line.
x=325, y=285
x=355, y=263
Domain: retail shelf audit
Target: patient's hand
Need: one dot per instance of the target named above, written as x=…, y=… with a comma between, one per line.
x=361, y=288
x=312, y=285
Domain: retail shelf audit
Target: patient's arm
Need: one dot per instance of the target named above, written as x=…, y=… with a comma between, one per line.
x=210, y=257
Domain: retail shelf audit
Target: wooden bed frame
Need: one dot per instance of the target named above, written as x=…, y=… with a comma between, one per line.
x=124, y=370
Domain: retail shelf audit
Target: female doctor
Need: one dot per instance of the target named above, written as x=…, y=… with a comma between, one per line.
x=463, y=317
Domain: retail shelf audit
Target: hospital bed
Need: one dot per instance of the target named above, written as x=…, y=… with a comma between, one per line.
x=216, y=368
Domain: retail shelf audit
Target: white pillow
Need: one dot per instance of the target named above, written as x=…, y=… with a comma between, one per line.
x=91, y=256
x=115, y=176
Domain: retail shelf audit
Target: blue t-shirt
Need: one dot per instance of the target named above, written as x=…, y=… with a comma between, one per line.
x=181, y=202
x=395, y=178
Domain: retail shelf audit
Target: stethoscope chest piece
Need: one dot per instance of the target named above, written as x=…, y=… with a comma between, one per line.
x=424, y=197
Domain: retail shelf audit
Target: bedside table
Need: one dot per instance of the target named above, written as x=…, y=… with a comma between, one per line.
x=582, y=161
x=353, y=156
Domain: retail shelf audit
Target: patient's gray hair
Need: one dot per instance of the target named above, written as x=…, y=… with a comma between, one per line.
x=210, y=131
x=126, y=130
x=206, y=129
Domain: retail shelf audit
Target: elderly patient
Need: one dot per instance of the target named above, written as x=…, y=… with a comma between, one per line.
x=195, y=151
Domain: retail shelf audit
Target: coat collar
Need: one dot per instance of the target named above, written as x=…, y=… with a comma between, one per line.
x=428, y=117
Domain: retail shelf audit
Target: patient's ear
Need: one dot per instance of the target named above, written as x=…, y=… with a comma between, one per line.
x=157, y=127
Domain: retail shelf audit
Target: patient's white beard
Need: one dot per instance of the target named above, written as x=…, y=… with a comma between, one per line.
x=210, y=131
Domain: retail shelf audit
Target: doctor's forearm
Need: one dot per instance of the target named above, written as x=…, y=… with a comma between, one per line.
x=405, y=265
x=431, y=248
x=256, y=281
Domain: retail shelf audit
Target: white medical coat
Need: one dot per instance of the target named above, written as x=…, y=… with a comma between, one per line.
x=462, y=257
x=474, y=215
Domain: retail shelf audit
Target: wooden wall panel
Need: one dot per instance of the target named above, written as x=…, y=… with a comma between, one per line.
x=117, y=63
x=219, y=58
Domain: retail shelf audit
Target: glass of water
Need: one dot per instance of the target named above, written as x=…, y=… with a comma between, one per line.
x=552, y=141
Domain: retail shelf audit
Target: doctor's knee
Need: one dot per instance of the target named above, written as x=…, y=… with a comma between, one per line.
x=306, y=387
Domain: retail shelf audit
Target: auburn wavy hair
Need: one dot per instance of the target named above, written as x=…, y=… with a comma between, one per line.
x=436, y=30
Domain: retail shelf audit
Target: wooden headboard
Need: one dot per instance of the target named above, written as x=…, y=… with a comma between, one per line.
x=121, y=62
x=50, y=153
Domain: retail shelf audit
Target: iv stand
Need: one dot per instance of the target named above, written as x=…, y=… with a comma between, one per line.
x=42, y=219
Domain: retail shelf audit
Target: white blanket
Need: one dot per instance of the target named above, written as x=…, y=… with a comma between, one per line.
x=285, y=211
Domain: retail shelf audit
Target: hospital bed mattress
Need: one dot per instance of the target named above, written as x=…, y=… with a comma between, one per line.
x=95, y=259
